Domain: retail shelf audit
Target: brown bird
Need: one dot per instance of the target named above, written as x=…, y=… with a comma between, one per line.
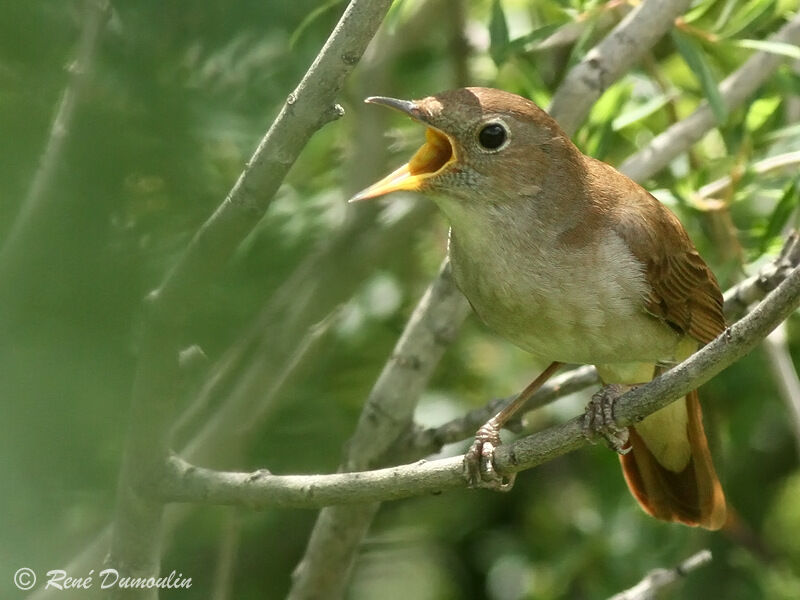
x=575, y=263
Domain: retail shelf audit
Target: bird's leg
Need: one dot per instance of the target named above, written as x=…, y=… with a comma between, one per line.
x=599, y=418
x=479, y=460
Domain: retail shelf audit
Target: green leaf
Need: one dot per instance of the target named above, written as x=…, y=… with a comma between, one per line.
x=602, y=116
x=642, y=111
x=781, y=48
x=580, y=47
x=745, y=16
x=693, y=55
x=760, y=111
x=498, y=34
x=781, y=213
x=725, y=14
x=518, y=44
x=700, y=10
x=310, y=18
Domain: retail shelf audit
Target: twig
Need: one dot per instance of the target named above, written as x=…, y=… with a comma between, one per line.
x=612, y=58
x=186, y=483
x=569, y=33
x=226, y=559
x=423, y=441
x=34, y=204
x=734, y=90
x=656, y=579
x=785, y=375
x=773, y=163
x=752, y=289
x=135, y=547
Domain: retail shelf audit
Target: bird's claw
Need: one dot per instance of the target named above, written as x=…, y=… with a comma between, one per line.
x=599, y=419
x=479, y=468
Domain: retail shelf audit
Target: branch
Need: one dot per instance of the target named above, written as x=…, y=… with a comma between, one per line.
x=658, y=578
x=734, y=90
x=183, y=482
x=135, y=547
x=785, y=375
x=742, y=295
x=34, y=204
x=773, y=163
x=423, y=441
x=612, y=58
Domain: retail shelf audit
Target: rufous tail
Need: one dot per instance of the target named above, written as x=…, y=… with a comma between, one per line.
x=669, y=469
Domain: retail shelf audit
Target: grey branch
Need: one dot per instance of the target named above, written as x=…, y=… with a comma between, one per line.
x=742, y=295
x=736, y=88
x=656, y=579
x=138, y=525
x=97, y=13
x=785, y=375
x=773, y=163
x=183, y=482
x=612, y=58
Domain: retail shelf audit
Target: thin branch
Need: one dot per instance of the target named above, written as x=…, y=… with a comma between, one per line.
x=135, y=547
x=183, y=482
x=773, y=163
x=569, y=33
x=612, y=58
x=742, y=295
x=34, y=204
x=656, y=579
x=228, y=552
x=734, y=90
x=785, y=375
x=423, y=441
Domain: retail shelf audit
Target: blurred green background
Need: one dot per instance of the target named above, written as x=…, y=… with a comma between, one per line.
x=299, y=326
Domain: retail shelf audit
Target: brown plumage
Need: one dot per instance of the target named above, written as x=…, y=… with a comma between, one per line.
x=576, y=263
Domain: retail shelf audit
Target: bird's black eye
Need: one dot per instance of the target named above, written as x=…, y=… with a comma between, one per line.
x=492, y=136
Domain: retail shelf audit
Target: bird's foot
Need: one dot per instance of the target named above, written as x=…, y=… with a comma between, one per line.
x=599, y=419
x=479, y=468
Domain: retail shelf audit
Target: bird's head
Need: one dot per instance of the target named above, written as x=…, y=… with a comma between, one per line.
x=482, y=146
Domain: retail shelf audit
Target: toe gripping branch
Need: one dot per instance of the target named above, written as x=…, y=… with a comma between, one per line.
x=479, y=467
x=599, y=419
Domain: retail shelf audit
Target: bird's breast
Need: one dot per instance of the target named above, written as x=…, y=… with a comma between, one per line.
x=575, y=305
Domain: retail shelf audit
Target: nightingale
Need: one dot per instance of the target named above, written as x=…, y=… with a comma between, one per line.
x=576, y=263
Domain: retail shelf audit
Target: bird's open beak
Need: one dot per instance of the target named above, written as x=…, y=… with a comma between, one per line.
x=435, y=154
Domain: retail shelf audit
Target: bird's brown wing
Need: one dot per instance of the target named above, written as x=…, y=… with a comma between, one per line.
x=683, y=291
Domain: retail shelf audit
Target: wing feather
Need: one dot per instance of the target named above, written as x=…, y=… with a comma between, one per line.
x=683, y=291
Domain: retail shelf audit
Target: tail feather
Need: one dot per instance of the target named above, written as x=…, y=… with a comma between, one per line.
x=693, y=495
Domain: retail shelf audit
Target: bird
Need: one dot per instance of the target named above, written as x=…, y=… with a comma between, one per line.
x=572, y=261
